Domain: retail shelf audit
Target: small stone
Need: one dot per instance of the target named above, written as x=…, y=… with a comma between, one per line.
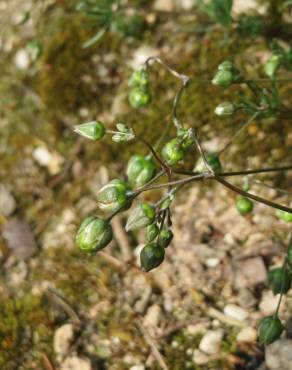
x=137, y=367
x=247, y=334
x=7, y=202
x=249, y=272
x=141, y=55
x=163, y=5
x=211, y=342
x=152, y=316
x=212, y=262
x=63, y=338
x=21, y=59
x=269, y=303
x=279, y=355
x=200, y=358
x=19, y=238
x=76, y=363
x=42, y=156
x=195, y=329
x=235, y=312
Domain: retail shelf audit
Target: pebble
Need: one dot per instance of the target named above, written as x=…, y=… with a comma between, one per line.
x=7, y=202
x=269, y=303
x=279, y=355
x=52, y=161
x=141, y=55
x=21, y=59
x=19, y=238
x=250, y=272
x=200, y=358
x=211, y=342
x=236, y=312
x=247, y=334
x=195, y=329
x=63, y=338
x=137, y=367
x=152, y=317
x=212, y=262
x=76, y=363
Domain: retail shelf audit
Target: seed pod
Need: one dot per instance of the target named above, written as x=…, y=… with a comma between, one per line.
x=225, y=109
x=244, y=205
x=164, y=238
x=152, y=232
x=285, y=216
x=141, y=216
x=271, y=66
x=91, y=130
x=152, y=255
x=173, y=151
x=139, y=78
x=94, y=234
x=270, y=329
x=227, y=65
x=212, y=159
x=140, y=170
x=114, y=196
x=139, y=97
x=226, y=75
x=279, y=280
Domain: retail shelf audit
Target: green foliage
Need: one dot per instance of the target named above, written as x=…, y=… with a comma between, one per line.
x=218, y=10
x=244, y=205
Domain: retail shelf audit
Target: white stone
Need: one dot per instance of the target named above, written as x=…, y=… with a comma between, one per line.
x=7, y=202
x=247, y=334
x=212, y=262
x=163, y=5
x=21, y=59
x=63, y=338
x=235, y=312
x=200, y=358
x=42, y=156
x=279, y=355
x=152, y=316
x=141, y=55
x=76, y=363
x=269, y=303
x=211, y=342
x=195, y=329
x=137, y=367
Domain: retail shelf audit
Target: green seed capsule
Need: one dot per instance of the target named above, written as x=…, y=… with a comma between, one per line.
x=91, y=130
x=173, y=151
x=279, y=280
x=94, y=234
x=270, y=329
x=285, y=216
x=212, y=159
x=164, y=238
x=152, y=255
x=114, y=196
x=227, y=65
x=139, y=78
x=225, y=109
x=140, y=170
x=141, y=216
x=244, y=205
x=226, y=75
x=152, y=232
x=273, y=64
x=139, y=97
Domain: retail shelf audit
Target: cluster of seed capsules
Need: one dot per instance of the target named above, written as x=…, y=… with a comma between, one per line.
x=95, y=233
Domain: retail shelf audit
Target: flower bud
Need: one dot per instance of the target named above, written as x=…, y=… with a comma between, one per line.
x=212, y=159
x=226, y=75
x=244, y=205
x=173, y=151
x=152, y=255
x=94, y=234
x=114, y=196
x=283, y=215
x=164, y=238
x=152, y=232
x=141, y=216
x=139, y=78
x=140, y=170
x=271, y=66
x=270, y=329
x=139, y=97
x=91, y=130
x=225, y=109
x=279, y=280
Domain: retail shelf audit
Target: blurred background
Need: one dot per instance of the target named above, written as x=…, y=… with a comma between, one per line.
x=62, y=64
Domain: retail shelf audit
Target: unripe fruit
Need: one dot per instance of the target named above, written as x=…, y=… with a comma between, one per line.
x=140, y=170
x=139, y=97
x=152, y=255
x=173, y=151
x=270, y=329
x=139, y=78
x=114, y=196
x=94, y=234
x=273, y=64
x=141, y=216
x=165, y=237
x=91, y=130
x=152, y=232
x=279, y=280
x=225, y=109
x=285, y=216
x=226, y=75
x=244, y=205
x=212, y=159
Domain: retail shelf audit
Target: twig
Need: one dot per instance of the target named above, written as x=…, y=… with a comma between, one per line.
x=121, y=237
x=153, y=345
x=224, y=318
x=47, y=363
